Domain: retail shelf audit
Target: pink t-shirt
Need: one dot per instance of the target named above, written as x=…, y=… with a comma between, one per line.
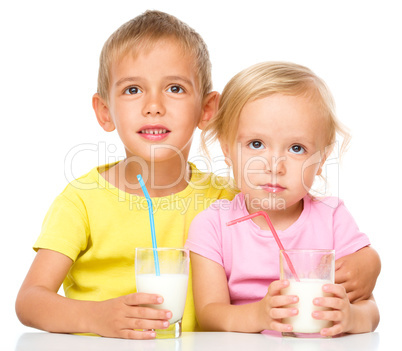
x=250, y=256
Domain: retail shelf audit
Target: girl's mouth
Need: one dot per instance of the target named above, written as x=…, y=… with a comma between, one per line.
x=273, y=188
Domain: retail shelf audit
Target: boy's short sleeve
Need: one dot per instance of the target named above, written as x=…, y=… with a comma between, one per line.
x=205, y=235
x=347, y=236
x=64, y=229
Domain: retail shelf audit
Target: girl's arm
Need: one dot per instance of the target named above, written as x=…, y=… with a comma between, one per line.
x=358, y=273
x=38, y=305
x=360, y=317
x=213, y=308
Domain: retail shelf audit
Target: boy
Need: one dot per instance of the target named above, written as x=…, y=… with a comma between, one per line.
x=154, y=88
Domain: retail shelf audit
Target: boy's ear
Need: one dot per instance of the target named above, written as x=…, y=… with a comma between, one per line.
x=209, y=108
x=102, y=113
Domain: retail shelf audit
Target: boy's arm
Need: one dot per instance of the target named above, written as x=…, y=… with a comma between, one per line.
x=213, y=308
x=38, y=305
x=358, y=273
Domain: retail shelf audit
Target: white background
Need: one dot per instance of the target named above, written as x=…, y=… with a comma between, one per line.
x=49, y=62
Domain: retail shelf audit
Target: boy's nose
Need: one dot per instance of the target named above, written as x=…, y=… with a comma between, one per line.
x=154, y=106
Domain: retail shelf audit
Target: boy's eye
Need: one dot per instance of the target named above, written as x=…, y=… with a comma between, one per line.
x=256, y=145
x=297, y=149
x=176, y=89
x=132, y=91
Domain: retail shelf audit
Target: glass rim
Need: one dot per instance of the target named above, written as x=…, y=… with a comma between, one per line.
x=308, y=250
x=162, y=249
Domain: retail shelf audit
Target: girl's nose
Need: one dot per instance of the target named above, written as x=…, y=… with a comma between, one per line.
x=276, y=165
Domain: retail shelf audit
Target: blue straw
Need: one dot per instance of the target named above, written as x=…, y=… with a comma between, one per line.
x=151, y=221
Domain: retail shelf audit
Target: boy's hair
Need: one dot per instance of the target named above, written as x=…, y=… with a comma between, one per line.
x=142, y=32
x=262, y=80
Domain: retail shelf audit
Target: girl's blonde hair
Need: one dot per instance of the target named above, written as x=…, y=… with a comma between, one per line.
x=262, y=80
x=142, y=33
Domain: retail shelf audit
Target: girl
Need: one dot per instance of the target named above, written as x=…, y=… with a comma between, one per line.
x=276, y=126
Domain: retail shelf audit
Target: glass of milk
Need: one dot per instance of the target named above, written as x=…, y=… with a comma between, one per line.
x=314, y=268
x=171, y=283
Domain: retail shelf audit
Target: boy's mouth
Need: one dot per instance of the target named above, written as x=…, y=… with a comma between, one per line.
x=154, y=132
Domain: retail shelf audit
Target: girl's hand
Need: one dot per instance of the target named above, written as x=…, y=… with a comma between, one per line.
x=273, y=307
x=122, y=317
x=340, y=313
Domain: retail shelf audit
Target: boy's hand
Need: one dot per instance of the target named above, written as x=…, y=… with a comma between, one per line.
x=273, y=307
x=340, y=313
x=122, y=317
x=358, y=273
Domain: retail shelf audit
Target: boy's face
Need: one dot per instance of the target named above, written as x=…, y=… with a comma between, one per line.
x=278, y=150
x=155, y=103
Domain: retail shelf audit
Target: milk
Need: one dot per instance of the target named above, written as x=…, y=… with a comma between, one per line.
x=173, y=288
x=307, y=290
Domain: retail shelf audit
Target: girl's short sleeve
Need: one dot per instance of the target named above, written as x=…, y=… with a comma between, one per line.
x=205, y=235
x=347, y=236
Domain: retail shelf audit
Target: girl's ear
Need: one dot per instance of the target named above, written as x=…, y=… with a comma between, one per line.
x=320, y=170
x=225, y=150
x=327, y=152
x=209, y=108
x=321, y=164
x=102, y=113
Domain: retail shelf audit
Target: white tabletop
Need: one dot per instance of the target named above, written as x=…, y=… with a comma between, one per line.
x=41, y=341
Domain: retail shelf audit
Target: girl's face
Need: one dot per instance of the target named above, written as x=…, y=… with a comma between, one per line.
x=278, y=150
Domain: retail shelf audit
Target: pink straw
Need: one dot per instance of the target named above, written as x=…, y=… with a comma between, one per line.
x=274, y=233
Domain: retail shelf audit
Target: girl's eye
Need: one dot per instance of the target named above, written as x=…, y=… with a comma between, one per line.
x=132, y=91
x=176, y=89
x=256, y=145
x=297, y=149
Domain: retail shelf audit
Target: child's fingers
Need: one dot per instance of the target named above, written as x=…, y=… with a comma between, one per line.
x=279, y=313
x=146, y=324
x=276, y=286
x=280, y=327
x=331, y=302
x=334, y=316
x=335, y=330
x=338, y=299
x=137, y=335
x=148, y=313
x=335, y=289
x=142, y=299
x=136, y=309
x=283, y=300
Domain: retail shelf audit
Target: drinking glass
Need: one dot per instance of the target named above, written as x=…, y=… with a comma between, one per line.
x=171, y=283
x=314, y=268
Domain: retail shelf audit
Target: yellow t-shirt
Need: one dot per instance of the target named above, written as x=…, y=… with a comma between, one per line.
x=99, y=226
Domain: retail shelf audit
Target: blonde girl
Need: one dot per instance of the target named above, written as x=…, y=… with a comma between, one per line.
x=276, y=125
